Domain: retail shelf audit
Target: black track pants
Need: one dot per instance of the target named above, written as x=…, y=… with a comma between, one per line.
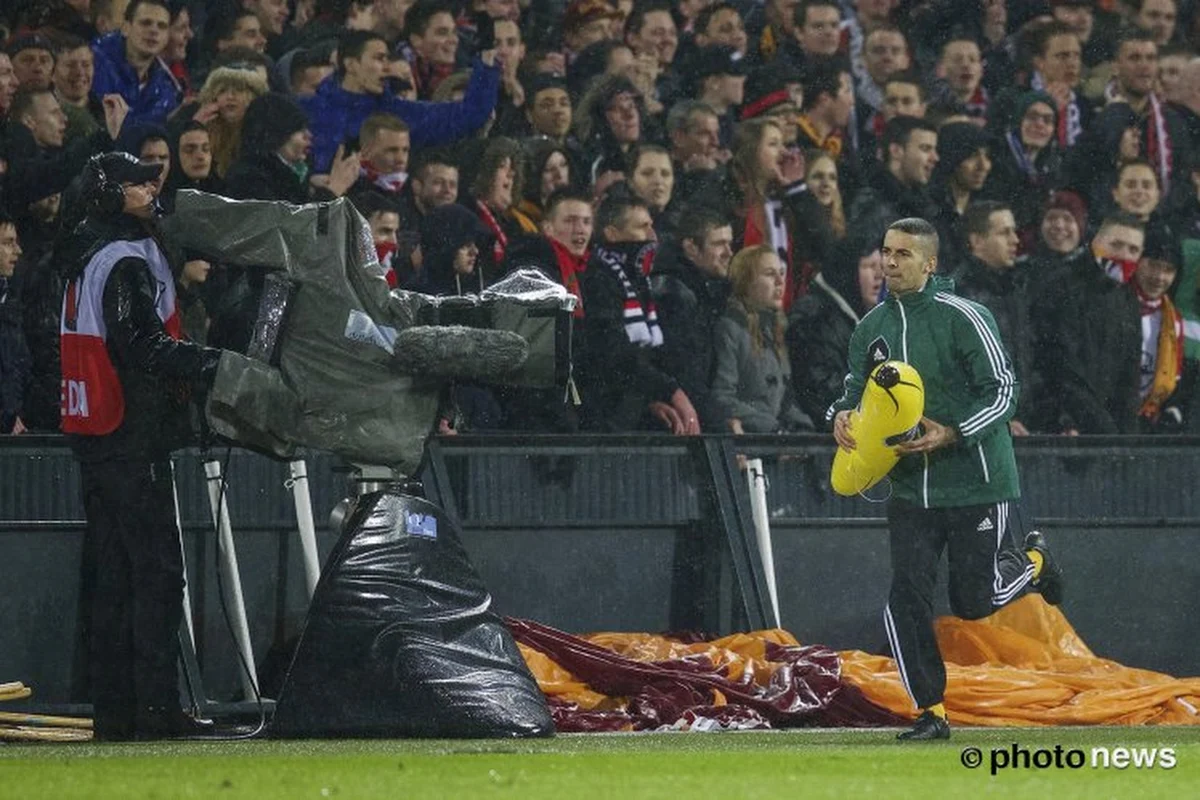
x=987, y=571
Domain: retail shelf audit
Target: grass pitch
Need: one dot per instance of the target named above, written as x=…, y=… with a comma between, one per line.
x=793, y=764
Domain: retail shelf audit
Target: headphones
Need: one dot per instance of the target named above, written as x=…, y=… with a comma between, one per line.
x=108, y=197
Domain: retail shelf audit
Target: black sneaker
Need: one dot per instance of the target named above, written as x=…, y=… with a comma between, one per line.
x=1050, y=580
x=929, y=726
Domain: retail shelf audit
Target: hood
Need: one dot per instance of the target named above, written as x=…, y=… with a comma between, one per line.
x=443, y=231
x=270, y=121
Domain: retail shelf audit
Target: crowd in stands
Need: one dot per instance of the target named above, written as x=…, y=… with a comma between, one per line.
x=710, y=178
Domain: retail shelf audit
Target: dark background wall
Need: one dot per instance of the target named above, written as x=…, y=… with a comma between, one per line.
x=610, y=536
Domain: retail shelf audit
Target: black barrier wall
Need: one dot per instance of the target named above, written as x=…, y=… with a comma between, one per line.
x=593, y=533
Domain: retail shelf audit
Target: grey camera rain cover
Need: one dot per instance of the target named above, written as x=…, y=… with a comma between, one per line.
x=337, y=385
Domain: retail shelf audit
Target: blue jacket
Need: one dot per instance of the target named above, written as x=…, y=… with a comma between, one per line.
x=150, y=103
x=335, y=114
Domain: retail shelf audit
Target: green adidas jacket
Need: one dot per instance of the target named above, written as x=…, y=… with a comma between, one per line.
x=969, y=384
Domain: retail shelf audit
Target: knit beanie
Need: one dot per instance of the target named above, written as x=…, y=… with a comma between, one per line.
x=1066, y=200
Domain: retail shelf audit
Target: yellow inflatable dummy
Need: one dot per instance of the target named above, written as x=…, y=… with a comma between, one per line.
x=891, y=406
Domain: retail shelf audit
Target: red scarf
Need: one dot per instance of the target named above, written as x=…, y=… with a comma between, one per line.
x=499, y=237
x=569, y=268
x=390, y=182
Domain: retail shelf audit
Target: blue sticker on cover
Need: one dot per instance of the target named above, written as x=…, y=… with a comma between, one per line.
x=421, y=525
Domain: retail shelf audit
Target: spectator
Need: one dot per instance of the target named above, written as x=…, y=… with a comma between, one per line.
x=1063, y=224
x=1135, y=124
x=433, y=182
x=882, y=54
x=609, y=123
x=650, y=33
x=1079, y=16
x=308, y=68
x=826, y=111
x=721, y=24
x=960, y=68
x=495, y=190
x=510, y=52
x=272, y=17
x=764, y=197
x=1167, y=379
x=272, y=165
x=1157, y=18
x=752, y=380
x=690, y=286
x=452, y=240
x=547, y=170
x=567, y=230
x=821, y=323
x=39, y=112
x=236, y=27
x=817, y=30
x=1057, y=70
x=1028, y=165
x=1137, y=192
x=8, y=84
x=175, y=55
x=903, y=96
x=128, y=64
x=14, y=354
x=694, y=132
x=720, y=78
x=621, y=380
x=275, y=146
x=148, y=143
x=651, y=177
x=1173, y=63
x=771, y=31
x=988, y=275
x=821, y=176
x=962, y=170
x=383, y=217
x=74, y=68
x=898, y=190
x=227, y=94
x=586, y=23
x=345, y=99
x=548, y=109
x=1089, y=335
x=191, y=161
x=32, y=60
x=386, y=145
x=561, y=252
x=433, y=41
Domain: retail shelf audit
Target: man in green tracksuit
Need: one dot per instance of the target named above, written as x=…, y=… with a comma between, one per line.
x=955, y=481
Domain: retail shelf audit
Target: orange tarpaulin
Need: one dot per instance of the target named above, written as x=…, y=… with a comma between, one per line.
x=1025, y=665
x=1022, y=666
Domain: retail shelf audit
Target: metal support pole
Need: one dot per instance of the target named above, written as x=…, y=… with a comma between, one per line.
x=232, y=583
x=757, y=478
x=298, y=484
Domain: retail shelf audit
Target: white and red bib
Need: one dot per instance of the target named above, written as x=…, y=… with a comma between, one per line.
x=92, y=402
